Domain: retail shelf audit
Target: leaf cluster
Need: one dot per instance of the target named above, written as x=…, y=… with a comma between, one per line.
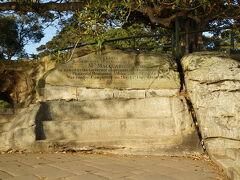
x=16, y=31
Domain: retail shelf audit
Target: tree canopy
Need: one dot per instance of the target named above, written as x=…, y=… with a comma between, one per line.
x=162, y=12
x=17, y=31
x=8, y=42
x=92, y=16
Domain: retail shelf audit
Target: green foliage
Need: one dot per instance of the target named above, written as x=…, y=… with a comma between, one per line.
x=64, y=38
x=105, y=23
x=4, y=104
x=59, y=57
x=221, y=39
x=9, y=44
x=17, y=31
x=29, y=29
x=101, y=20
x=142, y=42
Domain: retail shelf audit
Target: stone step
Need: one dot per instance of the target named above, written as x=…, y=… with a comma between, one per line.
x=101, y=128
x=140, y=108
x=120, y=145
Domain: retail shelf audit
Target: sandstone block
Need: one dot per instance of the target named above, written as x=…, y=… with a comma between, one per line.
x=129, y=94
x=117, y=69
x=20, y=132
x=161, y=125
x=6, y=139
x=161, y=92
x=67, y=93
x=60, y=92
x=213, y=85
x=94, y=94
x=24, y=138
x=113, y=108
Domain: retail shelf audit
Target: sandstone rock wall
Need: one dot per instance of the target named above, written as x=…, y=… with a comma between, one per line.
x=128, y=102
x=124, y=100
x=19, y=80
x=213, y=86
x=17, y=128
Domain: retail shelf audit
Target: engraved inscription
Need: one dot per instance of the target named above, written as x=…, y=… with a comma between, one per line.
x=107, y=69
x=115, y=69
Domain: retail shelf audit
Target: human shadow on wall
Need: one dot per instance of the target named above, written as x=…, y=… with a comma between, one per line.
x=43, y=114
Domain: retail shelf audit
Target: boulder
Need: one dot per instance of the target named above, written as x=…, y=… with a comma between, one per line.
x=213, y=85
x=18, y=128
x=17, y=87
x=20, y=79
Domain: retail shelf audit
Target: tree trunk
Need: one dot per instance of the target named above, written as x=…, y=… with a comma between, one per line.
x=191, y=37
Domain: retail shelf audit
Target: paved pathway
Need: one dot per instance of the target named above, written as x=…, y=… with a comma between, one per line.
x=79, y=166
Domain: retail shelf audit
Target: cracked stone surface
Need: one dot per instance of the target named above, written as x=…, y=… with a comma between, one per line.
x=58, y=166
x=130, y=96
x=213, y=86
x=113, y=98
x=114, y=68
x=19, y=131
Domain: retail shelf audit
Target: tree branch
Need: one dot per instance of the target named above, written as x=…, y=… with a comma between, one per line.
x=153, y=15
x=41, y=7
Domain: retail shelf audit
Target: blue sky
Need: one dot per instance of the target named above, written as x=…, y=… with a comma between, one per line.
x=49, y=32
x=48, y=35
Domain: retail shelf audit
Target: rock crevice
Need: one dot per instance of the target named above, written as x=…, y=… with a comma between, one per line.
x=183, y=90
x=212, y=84
x=134, y=103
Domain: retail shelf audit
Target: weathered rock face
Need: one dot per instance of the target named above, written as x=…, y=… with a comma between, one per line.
x=18, y=82
x=19, y=79
x=126, y=102
x=117, y=69
x=17, y=128
x=213, y=85
x=17, y=87
x=160, y=125
x=123, y=100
